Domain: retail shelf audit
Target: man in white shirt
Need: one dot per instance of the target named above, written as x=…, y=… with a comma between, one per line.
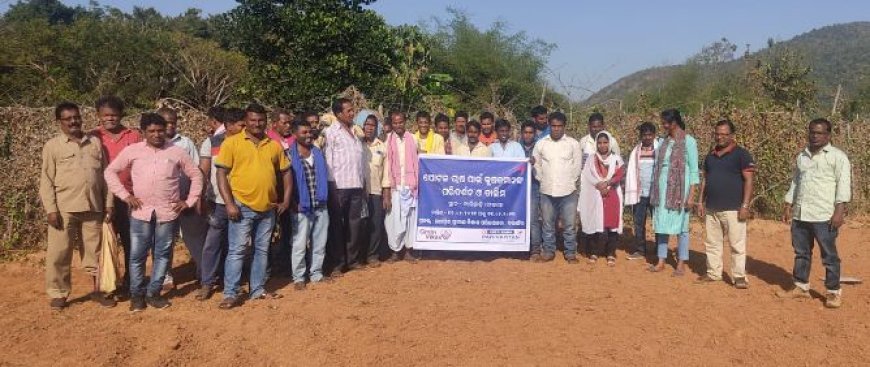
x=587, y=143
x=557, y=166
x=399, y=185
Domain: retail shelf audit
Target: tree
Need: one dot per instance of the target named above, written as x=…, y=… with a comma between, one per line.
x=206, y=74
x=308, y=50
x=783, y=76
x=716, y=52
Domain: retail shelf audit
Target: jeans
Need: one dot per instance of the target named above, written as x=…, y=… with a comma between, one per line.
x=553, y=209
x=641, y=210
x=144, y=236
x=309, y=228
x=256, y=227
x=375, y=227
x=682, y=246
x=215, y=248
x=345, y=227
x=535, y=218
x=802, y=236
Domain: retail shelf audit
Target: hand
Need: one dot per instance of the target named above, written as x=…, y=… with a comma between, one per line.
x=601, y=186
x=55, y=221
x=133, y=202
x=199, y=208
x=233, y=212
x=837, y=219
x=179, y=206
x=532, y=160
x=786, y=214
x=388, y=202
x=743, y=214
x=282, y=207
x=110, y=214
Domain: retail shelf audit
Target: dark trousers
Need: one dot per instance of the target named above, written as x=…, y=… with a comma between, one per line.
x=602, y=243
x=215, y=249
x=121, y=223
x=279, y=258
x=345, y=227
x=375, y=228
x=641, y=210
x=803, y=236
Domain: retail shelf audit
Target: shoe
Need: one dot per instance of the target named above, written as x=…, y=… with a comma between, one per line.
x=299, y=286
x=833, y=300
x=137, y=304
x=57, y=304
x=740, y=283
x=548, y=256
x=168, y=283
x=373, y=263
x=157, y=302
x=409, y=256
x=394, y=257
x=637, y=255
x=228, y=303
x=706, y=279
x=103, y=300
x=535, y=258
x=795, y=292
x=204, y=292
x=571, y=260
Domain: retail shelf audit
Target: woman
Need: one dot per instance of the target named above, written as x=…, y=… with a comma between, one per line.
x=601, y=199
x=675, y=180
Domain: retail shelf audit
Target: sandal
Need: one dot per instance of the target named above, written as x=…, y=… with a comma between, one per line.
x=266, y=295
x=678, y=273
x=592, y=259
x=611, y=261
x=654, y=269
x=228, y=303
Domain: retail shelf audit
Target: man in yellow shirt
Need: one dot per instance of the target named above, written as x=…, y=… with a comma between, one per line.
x=247, y=180
x=428, y=142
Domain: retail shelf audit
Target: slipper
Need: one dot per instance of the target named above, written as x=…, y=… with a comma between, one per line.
x=611, y=261
x=265, y=296
x=228, y=303
x=678, y=273
x=654, y=269
x=592, y=259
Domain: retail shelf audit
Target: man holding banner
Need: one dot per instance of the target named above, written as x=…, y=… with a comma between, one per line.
x=400, y=188
x=558, y=159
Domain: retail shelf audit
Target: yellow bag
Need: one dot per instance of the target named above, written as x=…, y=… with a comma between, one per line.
x=107, y=281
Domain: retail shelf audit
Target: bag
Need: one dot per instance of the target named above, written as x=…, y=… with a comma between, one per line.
x=107, y=279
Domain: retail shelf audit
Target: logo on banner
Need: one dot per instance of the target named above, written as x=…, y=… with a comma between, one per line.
x=434, y=234
x=502, y=234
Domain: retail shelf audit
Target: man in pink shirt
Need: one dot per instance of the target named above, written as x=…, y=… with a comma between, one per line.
x=114, y=137
x=156, y=169
x=282, y=128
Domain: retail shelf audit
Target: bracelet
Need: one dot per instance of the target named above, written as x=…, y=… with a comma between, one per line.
x=745, y=206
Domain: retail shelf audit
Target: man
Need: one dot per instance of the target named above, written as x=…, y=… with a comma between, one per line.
x=313, y=120
x=76, y=202
x=375, y=154
x=504, y=147
x=539, y=117
x=428, y=142
x=588, y=144
x=386, y=129
x=638, y=182
x=282, y=128
x=114, y=137
x=457, y=136
x=400, y=189
x=557, y=167
x=726, y=192
x=216, y=242
x=156, y=168
x=310, y=216
x=247, y=179
x=191, y=222
x=442, y=127
x=473, y=147
x=214, y=124
x=816, y=206
x=344, y=158
x=528, y=138
x=487, y=134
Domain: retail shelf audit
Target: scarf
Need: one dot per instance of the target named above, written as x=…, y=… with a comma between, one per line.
x=632, y=174
x=411, y=167
x=305, y=203
x=676, y=181
x=428, y=141
x=591, y=208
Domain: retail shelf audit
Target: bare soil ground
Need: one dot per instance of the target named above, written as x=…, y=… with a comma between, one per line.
x=466, y=311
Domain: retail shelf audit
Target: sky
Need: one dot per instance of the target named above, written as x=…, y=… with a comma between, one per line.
x=598, y=42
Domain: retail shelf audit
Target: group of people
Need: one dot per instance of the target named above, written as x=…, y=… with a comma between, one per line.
x=344, y=196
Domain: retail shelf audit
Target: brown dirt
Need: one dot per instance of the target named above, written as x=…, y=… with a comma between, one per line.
x=466, y=312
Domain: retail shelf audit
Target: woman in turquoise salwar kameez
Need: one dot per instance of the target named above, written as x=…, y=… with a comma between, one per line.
x=673, y=195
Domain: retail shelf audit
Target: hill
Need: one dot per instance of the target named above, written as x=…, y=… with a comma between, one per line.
x=837, y=54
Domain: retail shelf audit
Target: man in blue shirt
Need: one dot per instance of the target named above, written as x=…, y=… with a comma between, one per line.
x=504, y=147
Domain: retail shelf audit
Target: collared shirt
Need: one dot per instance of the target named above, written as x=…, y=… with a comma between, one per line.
x=387, y=181
x=480, y=150
x=589, y=147
x=189, y=147
x=558, y=165
x=723, y=176
x=113, y=145
x=457, y=140
x=540, y=134
x=511, y=149
x=820, y=181
x=344, y=157
x=220, y=130
x=71, y=177
x=434, y=146
x=252, y=169
x=375, y=155
x=156, y=174
x=488, y=140
x=285, y=141
x=210, y=149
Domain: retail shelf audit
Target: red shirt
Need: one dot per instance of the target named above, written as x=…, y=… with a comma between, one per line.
x=285, y=141
x=610, y=201
x=113, y=145
x=487, y=139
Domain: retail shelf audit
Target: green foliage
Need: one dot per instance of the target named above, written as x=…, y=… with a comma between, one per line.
x=783, y=77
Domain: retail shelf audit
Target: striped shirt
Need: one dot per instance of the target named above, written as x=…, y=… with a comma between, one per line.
x=344, y=157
